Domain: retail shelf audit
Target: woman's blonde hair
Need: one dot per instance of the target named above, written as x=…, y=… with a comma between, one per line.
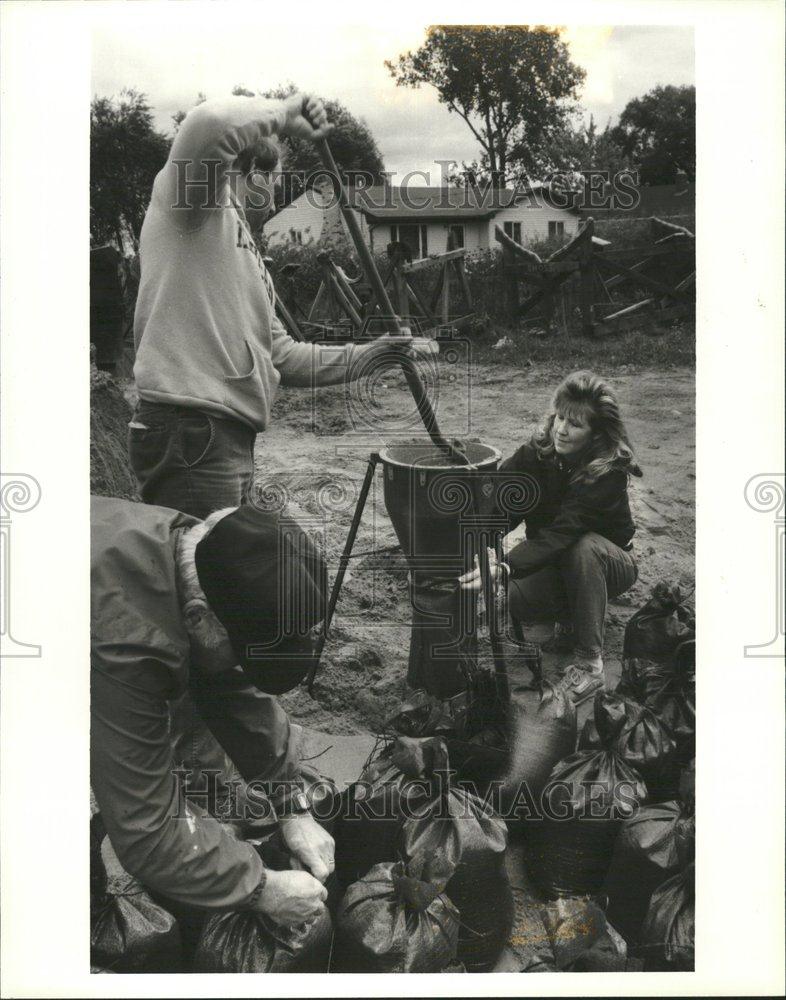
x=585, y=394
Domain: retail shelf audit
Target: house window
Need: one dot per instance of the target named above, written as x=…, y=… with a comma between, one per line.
x=556, y=229
x=513, y=230
x=456, y=237
x=296, y=235
x=416, y=238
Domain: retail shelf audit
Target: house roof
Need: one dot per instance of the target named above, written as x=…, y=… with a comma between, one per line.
x=438, y=202
x=657, y=199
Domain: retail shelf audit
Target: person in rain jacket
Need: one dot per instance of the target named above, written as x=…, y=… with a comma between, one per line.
x=219, y=612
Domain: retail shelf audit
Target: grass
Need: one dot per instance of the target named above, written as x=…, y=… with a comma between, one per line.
x=647, y=346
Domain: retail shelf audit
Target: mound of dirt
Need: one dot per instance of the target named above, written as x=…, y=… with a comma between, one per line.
x=110, y=473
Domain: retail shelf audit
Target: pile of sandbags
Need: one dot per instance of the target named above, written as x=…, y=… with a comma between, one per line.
x=405, y=807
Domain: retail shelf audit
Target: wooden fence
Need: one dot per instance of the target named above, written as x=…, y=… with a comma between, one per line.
x=604, y=279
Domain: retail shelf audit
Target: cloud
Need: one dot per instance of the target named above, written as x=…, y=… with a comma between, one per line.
x=173, y=51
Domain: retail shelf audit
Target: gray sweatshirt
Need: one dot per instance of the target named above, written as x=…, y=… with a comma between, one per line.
x=205, y=328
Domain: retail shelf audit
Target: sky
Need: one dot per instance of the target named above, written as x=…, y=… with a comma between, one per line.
x=173, y=51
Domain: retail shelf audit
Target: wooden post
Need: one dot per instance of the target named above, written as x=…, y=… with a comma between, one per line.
x=586, y=280
x=446, y=293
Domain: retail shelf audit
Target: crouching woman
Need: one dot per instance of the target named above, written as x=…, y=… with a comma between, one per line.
x=577, y=552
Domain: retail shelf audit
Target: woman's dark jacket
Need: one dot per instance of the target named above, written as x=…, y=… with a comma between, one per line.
x=558, y=512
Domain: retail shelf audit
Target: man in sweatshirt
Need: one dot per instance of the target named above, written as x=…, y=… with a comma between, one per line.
x=210, y=350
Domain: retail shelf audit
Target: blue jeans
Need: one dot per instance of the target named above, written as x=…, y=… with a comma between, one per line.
x=576, y=589
x=190, y=460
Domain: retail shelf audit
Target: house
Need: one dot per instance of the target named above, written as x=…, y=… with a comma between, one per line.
x=430, y=220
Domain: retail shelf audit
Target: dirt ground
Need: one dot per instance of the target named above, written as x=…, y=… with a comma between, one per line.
x=315, y=455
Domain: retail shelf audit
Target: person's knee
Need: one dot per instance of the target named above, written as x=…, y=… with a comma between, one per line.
x=588, y=550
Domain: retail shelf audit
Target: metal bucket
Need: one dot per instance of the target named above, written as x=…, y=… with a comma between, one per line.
x=434, y=504
x=438, y=511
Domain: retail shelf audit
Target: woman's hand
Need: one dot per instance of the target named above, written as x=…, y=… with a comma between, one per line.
x=499, y=571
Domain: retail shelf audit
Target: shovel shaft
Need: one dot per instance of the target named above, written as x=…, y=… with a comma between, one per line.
x=392, y=320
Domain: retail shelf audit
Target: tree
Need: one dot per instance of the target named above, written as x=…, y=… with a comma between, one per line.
x=352, y=143
x=658, y=133
x=574, y=150
x=126, y=153
x=513, y=85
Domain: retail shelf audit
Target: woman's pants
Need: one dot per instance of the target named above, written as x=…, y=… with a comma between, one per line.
x=576, y=589
x=189, y=459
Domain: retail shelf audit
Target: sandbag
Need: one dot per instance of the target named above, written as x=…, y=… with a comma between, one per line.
x=442, y=653
x=374, y=806
x=425, y=814
x=587, y=797
x=245, y=941
x=582, y=939
x=130, y=932
x=541, y=740
x=456, y=825
x=669, y=930
x=660, y=626
x=641, y=740
x=669, y=690
x=396, y=920
x=647, y=852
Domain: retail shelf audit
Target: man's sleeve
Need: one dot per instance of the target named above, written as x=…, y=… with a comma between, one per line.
x=209, y=140
x=580, y=512
x=310, y=364
x=251, y=726
x=157, y=837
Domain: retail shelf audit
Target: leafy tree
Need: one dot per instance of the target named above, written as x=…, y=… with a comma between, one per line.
x=126, y=153
x=658, y=133
x=513, y=85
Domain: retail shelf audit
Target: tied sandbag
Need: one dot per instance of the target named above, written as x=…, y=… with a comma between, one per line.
x=456, y=825
x=641, y=740
x=582, y=940
x=130, y=932
x=648, y=851
x=443, y=652
x=656, y=630
x=541, y=740
x=669, y=690
x=373, y=808
x=669, y=930
x=587, y=797
x=397, y=919
x=245, y=941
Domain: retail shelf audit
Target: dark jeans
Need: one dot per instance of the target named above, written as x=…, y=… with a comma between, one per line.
x=576, y=589
x=189, y=459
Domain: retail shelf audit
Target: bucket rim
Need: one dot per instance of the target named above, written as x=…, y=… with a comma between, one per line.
x=388, y=459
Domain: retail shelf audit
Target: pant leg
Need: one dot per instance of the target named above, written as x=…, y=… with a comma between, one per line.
x=593, y=570
x=189, y=459
x=538, y=597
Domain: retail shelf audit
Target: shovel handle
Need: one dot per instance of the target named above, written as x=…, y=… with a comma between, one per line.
x=393, y=321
